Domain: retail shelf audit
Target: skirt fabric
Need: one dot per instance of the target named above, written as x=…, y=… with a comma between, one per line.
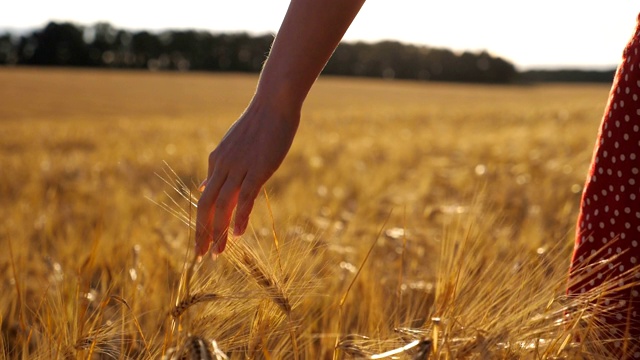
x=606, y=256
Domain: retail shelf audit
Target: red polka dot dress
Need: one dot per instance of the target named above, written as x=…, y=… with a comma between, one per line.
x=607, y=245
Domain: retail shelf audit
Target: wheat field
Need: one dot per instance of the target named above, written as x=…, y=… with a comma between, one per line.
x=410, y=220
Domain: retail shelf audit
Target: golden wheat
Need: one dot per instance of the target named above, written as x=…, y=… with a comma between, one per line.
x=484, y=183
x=190, y=301
x=197, y=348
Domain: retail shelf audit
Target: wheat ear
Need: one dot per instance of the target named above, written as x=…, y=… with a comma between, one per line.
x=192, y=300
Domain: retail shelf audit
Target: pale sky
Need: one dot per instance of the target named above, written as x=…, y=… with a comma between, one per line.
x=543, y=33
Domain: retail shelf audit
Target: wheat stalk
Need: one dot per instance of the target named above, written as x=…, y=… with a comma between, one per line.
x=197, y=348
x=251, y=266
x=192, y=300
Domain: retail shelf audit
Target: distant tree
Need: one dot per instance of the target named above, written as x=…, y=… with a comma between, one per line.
x=185, y=49
x=56, y=44
x=8, y=51
x=146, y=47
x=601, y=76
x=101, y=41
x=103, y=45
x=391, y=59
x=240, y=52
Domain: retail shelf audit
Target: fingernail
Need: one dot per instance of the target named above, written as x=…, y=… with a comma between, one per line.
x=214, y=246
x=201, y=249
x=203, y=184
x=240, y=227
x=214, y=256
x=198, y=259
x=218, y=247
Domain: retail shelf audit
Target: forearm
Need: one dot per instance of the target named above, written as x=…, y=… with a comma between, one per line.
x=309, y=34
x=258, y=141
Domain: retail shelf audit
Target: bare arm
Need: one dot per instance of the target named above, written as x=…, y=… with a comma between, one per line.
x=256, y=144
x=308, y=36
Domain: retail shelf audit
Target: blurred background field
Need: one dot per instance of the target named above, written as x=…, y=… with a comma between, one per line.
x=483, y=178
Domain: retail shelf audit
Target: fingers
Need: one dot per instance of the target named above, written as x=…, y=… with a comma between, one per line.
x=226, y=201
x=221, y=193
x=206, y=212
x=203, y=184
x=248, y=193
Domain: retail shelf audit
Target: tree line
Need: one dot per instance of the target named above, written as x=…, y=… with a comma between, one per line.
x=102, y=45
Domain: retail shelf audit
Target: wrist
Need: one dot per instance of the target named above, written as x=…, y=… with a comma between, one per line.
x=272, y=104
x=277, y=97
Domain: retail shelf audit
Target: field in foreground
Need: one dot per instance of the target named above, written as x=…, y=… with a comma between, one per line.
x=466, y=196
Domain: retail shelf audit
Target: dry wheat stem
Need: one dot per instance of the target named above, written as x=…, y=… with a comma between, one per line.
x=249, y=263
x=135, y=320
x=192, y=300
x=346, y=293
x=292, y=329
x=197, y=348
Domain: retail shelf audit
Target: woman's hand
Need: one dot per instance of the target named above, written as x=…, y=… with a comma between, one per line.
x=250, y=152
x=256, y=144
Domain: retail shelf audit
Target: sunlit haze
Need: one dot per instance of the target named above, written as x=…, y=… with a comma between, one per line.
x=540, y=34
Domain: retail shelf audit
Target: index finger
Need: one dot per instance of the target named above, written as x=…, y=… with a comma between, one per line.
x=206, y=211
x=226, y=201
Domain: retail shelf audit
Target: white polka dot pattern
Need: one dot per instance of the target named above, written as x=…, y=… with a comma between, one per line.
x=609, y=222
